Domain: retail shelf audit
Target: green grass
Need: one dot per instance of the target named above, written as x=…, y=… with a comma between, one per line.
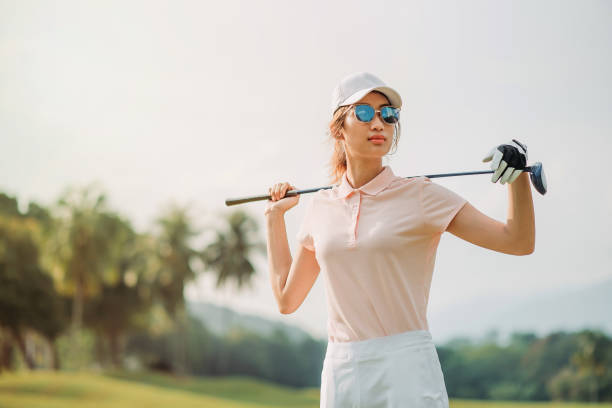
x=502, y=404
x=84, y=389
x=241, y=389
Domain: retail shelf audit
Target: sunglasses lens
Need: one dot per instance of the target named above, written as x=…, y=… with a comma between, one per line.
x=390, y=114
x=364, y=113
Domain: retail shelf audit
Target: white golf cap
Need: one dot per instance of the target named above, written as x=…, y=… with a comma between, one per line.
x=355, y=86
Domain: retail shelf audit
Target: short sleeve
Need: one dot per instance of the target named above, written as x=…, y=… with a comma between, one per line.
x=440, y=205
x=305, y=235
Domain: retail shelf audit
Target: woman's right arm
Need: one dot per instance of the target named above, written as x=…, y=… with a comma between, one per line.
x=291, y=281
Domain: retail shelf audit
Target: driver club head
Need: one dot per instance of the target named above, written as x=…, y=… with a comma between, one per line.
x=538, y=178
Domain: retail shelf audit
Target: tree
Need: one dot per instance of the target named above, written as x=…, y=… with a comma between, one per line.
x=27, y=295
x=229, y=254
x=82, y=246
x=9, y=207
x=175, y=255
x=544, y=359
x=122, y=296
x=589, y=373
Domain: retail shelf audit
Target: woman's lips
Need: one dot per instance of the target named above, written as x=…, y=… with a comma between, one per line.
x=377, y=139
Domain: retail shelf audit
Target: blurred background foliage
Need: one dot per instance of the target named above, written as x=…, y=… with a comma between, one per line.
x=80, y=289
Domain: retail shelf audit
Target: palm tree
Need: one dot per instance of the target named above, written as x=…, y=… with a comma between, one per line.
x=175, y=256
x=81, y=247
x=123, y=296
x=229, y=254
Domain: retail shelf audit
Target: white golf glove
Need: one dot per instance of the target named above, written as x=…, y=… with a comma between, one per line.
x=509, y=160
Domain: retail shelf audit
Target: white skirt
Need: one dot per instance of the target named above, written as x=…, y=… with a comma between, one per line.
x=400, y=370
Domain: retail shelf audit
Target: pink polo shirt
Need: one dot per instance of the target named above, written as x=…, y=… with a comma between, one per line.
x=376, y=246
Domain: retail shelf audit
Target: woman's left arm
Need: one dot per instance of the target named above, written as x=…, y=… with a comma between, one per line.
x=515, y=237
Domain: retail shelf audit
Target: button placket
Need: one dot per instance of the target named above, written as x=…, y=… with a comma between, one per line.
x=355, y=207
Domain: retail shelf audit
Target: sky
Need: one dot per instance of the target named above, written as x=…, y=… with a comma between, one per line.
x=194, y=102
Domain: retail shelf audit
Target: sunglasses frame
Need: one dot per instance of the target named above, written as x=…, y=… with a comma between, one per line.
x=354, y=105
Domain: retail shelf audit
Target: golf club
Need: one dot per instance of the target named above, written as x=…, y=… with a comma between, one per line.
x=536, y=174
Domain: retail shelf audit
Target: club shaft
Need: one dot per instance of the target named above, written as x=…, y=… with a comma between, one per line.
x=234, y=201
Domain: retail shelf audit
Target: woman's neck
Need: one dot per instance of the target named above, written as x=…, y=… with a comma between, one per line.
x=360, y=173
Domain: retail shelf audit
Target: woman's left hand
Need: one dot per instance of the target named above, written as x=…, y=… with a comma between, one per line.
x=509, y=160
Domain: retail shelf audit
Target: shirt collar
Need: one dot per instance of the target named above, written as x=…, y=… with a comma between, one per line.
x=372, y=187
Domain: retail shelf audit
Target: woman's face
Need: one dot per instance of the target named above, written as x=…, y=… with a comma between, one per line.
x=358, y=136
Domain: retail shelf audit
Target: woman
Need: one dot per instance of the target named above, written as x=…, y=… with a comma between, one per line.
x=375, y=236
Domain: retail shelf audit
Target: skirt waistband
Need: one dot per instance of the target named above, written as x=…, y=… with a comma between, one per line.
x=378, y=345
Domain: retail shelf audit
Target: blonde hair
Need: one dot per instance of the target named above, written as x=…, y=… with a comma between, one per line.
x=337, y=162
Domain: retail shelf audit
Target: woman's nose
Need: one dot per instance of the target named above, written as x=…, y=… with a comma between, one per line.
x=377, y=122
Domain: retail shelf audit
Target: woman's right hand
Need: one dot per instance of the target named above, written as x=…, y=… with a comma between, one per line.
x=277, y=202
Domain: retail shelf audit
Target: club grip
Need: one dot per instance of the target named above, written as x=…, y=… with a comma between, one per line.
x=235, y=201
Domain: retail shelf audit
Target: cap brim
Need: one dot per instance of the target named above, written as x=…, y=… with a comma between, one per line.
x=393, y=97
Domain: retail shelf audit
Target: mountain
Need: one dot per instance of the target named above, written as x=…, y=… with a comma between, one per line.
x=569, y=310
x=220, y=320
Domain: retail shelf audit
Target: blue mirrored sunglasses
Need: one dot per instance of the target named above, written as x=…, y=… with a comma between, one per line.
x=365, y=113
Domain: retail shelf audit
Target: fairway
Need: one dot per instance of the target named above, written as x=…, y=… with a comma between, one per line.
x=68, y=390
x=83, y=390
